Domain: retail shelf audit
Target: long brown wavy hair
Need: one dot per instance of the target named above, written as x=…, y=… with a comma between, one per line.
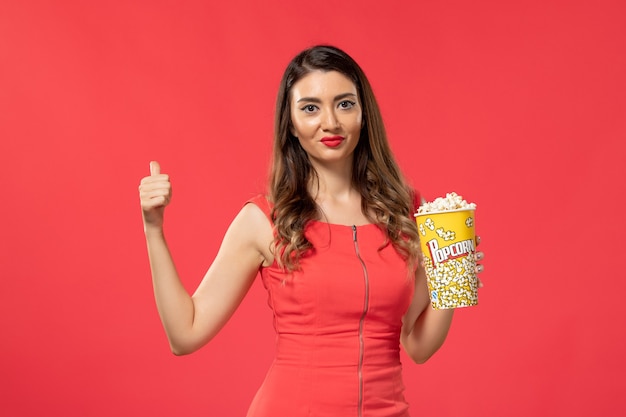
x=386, y=200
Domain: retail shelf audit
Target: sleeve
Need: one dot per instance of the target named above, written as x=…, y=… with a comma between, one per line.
x=262, y=202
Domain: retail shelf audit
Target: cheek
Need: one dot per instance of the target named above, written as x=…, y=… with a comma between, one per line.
x=357, y=125
x=354, y=121
x=303, y=127
x=293, y=124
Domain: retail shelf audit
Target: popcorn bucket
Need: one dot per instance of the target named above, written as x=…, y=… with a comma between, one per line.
x=448, y=242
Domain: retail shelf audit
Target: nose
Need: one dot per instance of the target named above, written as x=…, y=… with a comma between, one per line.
x=330, y=121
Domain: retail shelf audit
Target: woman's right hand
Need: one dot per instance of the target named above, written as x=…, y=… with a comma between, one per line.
x=155, y=192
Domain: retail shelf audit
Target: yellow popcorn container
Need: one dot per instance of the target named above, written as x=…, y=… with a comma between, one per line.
x=448, y=242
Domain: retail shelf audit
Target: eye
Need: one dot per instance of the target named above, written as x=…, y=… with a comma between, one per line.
x=346, y=104
x=309, y=108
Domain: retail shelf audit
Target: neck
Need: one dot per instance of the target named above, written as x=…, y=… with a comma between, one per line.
x=338, y=200
x=332, y=181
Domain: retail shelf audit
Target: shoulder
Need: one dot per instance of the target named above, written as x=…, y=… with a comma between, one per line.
x=255, y=214
x=262, y=203
x=253, y=225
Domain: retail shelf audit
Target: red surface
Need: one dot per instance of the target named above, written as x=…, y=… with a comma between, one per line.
x=518, y=106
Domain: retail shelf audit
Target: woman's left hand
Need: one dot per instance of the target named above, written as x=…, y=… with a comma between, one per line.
x=479, y=266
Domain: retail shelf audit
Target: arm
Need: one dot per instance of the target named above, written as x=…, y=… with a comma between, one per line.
x=192, y=321
x=424, y=329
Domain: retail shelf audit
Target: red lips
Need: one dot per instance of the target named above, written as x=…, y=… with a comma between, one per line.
x=332, y=141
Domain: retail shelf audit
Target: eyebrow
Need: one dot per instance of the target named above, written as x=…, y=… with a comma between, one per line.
x=337, y=98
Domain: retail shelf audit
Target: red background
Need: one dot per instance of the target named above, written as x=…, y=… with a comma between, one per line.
x=518, y=106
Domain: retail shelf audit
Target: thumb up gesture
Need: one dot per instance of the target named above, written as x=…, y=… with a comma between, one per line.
x=155, y=192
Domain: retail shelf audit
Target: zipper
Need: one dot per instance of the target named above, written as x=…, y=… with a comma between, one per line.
x=361, y=321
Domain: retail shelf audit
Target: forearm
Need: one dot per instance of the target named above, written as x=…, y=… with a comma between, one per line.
x=174, y=304
x=428, y=333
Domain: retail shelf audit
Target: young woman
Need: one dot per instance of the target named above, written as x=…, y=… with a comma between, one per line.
x=336, y=246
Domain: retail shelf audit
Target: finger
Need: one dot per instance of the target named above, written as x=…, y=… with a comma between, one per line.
x=480, y=256
x=479, y=268
x=480, y=283
x=154, y=200
x=477, y=240
x=155, y=168
x=155, y=181
x=147, y=194
x=159, y=201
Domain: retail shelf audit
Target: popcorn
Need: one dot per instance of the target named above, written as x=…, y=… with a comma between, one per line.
x=447, y=239
x=448, y=286
x=452, y=201
x=446, y=234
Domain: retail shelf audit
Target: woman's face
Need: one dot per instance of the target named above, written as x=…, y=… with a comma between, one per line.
x=326, y=116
